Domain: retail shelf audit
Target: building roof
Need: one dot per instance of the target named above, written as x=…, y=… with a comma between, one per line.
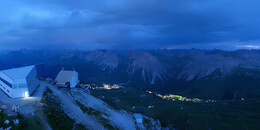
x=138, y=116
x=18, y=74
x=65, y=76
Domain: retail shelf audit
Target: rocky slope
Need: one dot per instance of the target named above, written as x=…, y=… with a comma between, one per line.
x=204, y=64
x=107, y=59
x=150, y=67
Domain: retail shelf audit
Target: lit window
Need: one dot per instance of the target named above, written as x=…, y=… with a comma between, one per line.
x=26, y=94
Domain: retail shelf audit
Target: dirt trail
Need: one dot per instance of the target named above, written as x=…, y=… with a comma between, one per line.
x=74, y=111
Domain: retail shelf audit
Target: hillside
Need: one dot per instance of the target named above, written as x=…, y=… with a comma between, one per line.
x=51, y=107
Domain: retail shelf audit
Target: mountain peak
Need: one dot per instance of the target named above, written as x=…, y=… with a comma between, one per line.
x=106, y=58
x=151, y=68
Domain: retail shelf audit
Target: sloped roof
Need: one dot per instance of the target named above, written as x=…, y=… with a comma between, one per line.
x=18, y=74
x=138, y=116
x=65, y=76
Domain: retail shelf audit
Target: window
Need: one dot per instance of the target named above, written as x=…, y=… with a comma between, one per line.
x=7, y=83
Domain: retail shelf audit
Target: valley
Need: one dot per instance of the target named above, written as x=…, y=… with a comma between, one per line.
x=225, y=114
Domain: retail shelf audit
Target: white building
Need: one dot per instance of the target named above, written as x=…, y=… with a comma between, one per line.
x=19, y=82
x=64, y=77
x=138, y=117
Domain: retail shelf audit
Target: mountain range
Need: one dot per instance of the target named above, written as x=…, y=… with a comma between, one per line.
x=144, y=68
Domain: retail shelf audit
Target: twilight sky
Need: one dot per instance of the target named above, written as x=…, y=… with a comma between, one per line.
x=129, y=24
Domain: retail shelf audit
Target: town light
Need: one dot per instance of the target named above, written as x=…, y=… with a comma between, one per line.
x=26, y=94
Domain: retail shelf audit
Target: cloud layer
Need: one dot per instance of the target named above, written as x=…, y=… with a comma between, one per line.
x=129, y=24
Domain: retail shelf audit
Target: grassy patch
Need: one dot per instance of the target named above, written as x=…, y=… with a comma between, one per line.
x=89, y=110
x=54, y=112
x=98, y=115
x=79, y=127
x=106, y=124
x=34, y=123
x=147, y=123
x=82, y=107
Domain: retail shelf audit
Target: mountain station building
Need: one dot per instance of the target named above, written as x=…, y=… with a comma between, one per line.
x=66, y=78
x=19, y=82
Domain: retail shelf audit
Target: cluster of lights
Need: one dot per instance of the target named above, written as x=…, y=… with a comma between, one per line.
x=180, y=98
x=104, y=87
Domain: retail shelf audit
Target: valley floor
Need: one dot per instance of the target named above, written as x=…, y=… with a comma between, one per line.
x=225, y=114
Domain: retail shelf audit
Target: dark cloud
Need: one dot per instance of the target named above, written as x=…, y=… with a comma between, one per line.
x=124, y=24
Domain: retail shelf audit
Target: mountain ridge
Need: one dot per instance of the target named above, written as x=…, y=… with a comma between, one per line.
x=148, y=67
